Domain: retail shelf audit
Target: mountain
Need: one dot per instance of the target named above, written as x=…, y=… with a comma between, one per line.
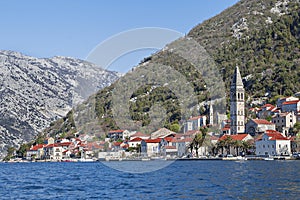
x=262, y=37
x=35, y=92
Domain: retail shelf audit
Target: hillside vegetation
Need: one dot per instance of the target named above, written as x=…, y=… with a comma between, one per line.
x=262, y=37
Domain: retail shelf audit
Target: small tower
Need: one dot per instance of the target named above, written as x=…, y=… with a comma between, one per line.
x=237, y=103
x=211, y=114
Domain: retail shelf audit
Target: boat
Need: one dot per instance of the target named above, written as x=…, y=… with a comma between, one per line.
x=269, y=158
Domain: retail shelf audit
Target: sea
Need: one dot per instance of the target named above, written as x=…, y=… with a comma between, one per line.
x=190, y=179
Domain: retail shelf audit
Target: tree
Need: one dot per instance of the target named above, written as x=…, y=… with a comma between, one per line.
x=237, y=145
x=175, y=127
x=228, y=142
x=198, y=141
x=296, y=128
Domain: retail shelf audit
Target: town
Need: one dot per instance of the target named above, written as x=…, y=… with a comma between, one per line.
x=270, y=131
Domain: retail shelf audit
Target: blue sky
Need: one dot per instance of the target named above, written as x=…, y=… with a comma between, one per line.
x=73, y=28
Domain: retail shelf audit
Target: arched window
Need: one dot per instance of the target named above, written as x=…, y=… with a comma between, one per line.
x=242, y=96
x=238, y=96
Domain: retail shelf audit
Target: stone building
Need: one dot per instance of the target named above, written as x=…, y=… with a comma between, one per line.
x=237, y=103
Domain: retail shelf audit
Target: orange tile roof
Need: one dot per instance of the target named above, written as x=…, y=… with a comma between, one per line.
x=290, y=102
x=267, y=105
x=170, y=147
x=261, y=121
x=168, y=139
x=157, y=140
x=238, y=137
x=37, y=147
x=137, y=139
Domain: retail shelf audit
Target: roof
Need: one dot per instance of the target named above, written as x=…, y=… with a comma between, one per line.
x=168, y=139
x=191, y=132
x=162, y=133
x=267, y=105
x=116, y=131
x=139, y=134
x=261, y=121
x=238, y=137
x=117, y=143
x=177, y=140
x=290, y=102
x=170, y=147
x=275, y=135
x=237, y=79
x=65, y=143
x=137, y=139
x=195, y=118
x=36, y=147
x=225, y=129
x=157, y=140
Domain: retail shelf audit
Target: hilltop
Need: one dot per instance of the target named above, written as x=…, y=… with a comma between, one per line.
x=262, y=37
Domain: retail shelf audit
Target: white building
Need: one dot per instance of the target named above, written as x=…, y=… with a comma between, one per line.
x=273, y=143
x=258, y=126
x=284, y=121
x=194, y=123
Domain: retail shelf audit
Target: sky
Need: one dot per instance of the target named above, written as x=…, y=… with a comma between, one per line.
x=71, y=28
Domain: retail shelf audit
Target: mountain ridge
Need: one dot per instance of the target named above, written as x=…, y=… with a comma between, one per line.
x=36, y=91
x=261, y=37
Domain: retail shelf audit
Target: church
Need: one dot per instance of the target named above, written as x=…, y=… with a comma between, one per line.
x=237, y=104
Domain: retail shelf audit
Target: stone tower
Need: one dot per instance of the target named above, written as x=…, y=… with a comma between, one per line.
x=237, y=104
x=211, y=114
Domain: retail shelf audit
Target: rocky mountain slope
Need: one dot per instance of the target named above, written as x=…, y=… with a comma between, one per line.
x=35, y=92
x=262, y=37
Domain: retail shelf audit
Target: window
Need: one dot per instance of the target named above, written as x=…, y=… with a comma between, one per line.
x=272, y=145
x=279, y=145
x=268, y=146
x=238, y=95
x=242, y=96
x=263, y=146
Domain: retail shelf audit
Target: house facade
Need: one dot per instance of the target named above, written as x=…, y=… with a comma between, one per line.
x=258, y=126
x=153, y=147
x=273, y=143
x=194, y=123
x=284, y=121
x=291, y=106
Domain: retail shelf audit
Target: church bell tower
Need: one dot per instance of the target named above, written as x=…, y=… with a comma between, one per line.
x=237, y=104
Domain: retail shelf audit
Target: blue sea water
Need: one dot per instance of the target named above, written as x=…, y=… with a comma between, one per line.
x=179, y=180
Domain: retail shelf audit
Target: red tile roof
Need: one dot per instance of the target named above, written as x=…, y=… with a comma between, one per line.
x=290, y=102
x=137, y=139
x=170, y=147
x=267, y=105
x=157, y=140
x=275, y=135
x=238, y=137
x=261, y=121
x=65, y=143
x=117, y=143
x=37, y=147
x=225, y=129
x=168, y=139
